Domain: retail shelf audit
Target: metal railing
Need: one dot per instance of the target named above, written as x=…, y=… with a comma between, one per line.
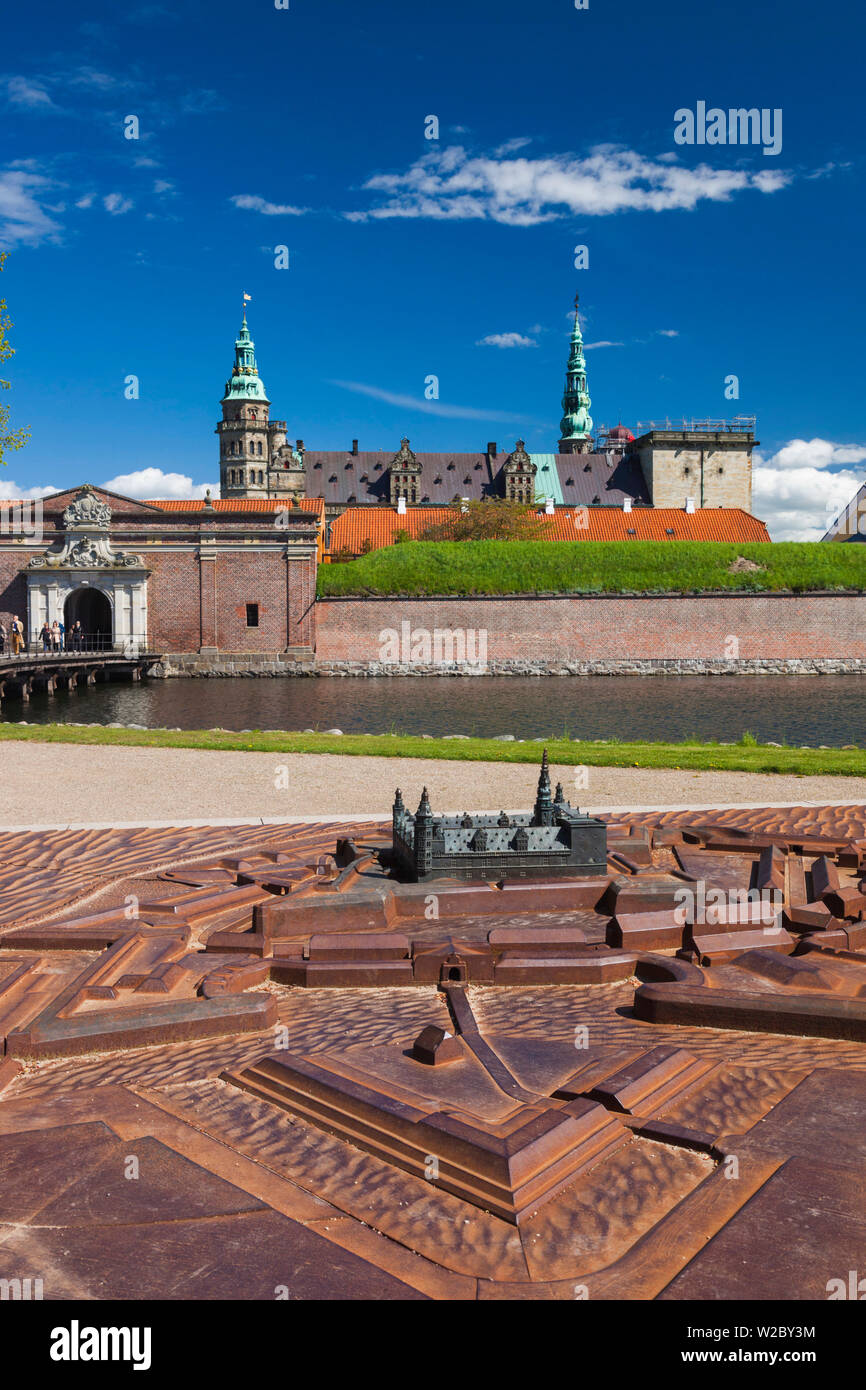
x=82, y=644
x=740, y=424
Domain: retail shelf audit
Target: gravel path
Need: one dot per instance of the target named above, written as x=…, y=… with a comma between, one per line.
x=52, y=784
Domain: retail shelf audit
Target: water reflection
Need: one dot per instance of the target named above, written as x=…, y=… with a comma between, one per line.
x=792, y=709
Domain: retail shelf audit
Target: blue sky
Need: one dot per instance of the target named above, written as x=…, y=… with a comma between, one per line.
x=305, y=127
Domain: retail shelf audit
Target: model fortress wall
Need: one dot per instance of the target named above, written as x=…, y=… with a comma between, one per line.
x=553, y=839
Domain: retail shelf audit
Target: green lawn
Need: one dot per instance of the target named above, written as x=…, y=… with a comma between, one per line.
x=590, y=567
x=745, y=756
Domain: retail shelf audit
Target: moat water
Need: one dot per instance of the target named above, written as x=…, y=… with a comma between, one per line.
x=788, y=709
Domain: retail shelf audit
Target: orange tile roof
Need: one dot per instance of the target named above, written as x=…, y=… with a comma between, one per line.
x=238, y=504
x=379, y=525
x=655, y=524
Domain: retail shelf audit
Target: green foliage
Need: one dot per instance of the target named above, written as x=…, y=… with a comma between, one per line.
x=9, y=439
x=489, y=518
x=593, y=567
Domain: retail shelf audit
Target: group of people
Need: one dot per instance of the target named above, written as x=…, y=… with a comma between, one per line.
x=54, y=637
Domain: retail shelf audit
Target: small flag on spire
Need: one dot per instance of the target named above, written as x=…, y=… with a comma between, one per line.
x=247, y=298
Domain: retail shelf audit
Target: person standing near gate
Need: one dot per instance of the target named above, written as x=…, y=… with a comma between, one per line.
x=45, y=634
x=55, y=636
x=62, y=629
x=76, y=634
x=17, y=635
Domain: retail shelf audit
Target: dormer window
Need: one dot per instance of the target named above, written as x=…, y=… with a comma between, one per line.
x=477, y=466
x=587, y=468
x=364, y=477
x=631, y=531
x=569, y=482
x=595, y=501
x=669, y=530
x=438, y=478
x=468, y=478
x=451, y=465
x=333, y=478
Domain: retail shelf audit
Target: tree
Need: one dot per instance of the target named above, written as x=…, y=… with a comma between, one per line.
x=9, y=439
x=489, y=519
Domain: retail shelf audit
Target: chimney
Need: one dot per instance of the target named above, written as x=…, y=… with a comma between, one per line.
x=300, y=445
x=401, y=506
x=464, y=504
x=354, y=446
x=690, y=504
x=626, y=504
x=549, y=508
x=491, y=448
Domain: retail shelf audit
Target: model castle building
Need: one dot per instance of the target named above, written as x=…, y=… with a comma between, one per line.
x=553, y=839
x=705, y=464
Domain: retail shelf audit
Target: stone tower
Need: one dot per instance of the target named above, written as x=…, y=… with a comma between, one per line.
x=576, y=422
x=255, y=460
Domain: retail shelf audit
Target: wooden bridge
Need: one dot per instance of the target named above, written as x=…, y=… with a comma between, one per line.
x=51, y=671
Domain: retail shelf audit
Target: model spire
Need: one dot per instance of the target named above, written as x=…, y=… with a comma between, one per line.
x=542, y=813
x=576, y=422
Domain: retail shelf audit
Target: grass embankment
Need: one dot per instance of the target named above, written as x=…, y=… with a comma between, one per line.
x=691, y=754
x=593, y=567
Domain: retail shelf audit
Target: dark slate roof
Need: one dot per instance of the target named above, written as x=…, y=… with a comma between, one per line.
x=364, y=477
x=339, y=476
x=601, y=479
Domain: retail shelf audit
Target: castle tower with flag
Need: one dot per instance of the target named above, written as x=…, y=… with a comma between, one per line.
x=251, y=444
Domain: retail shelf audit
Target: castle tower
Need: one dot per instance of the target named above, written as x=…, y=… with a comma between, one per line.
x=244, y=428
x=576, y=422
x=423, y=836
x=542, y=812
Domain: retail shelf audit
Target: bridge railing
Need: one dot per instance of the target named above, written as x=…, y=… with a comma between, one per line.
x=75, y=644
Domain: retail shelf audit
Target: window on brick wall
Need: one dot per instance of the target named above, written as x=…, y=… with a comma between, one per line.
x=252, y=615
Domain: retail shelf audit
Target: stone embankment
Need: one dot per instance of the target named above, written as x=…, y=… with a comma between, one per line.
x=263, y=665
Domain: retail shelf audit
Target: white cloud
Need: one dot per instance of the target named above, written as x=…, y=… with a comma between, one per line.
x=814, y=453
x=251, y=203
x=116, y=204
x=587, y=347
x=153, y=482
x=455, y=412
x=450, y=183
x=506, y=340
x=668, y=332
x=11, y=492
x=32, y=95
x=22, y=218
x=794, y=492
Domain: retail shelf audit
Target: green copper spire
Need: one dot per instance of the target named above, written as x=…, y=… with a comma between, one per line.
x=576, y=423
x=245, y=383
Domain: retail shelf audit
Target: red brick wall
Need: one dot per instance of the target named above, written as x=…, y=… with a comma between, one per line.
x=769, y=626
x=193, y=604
